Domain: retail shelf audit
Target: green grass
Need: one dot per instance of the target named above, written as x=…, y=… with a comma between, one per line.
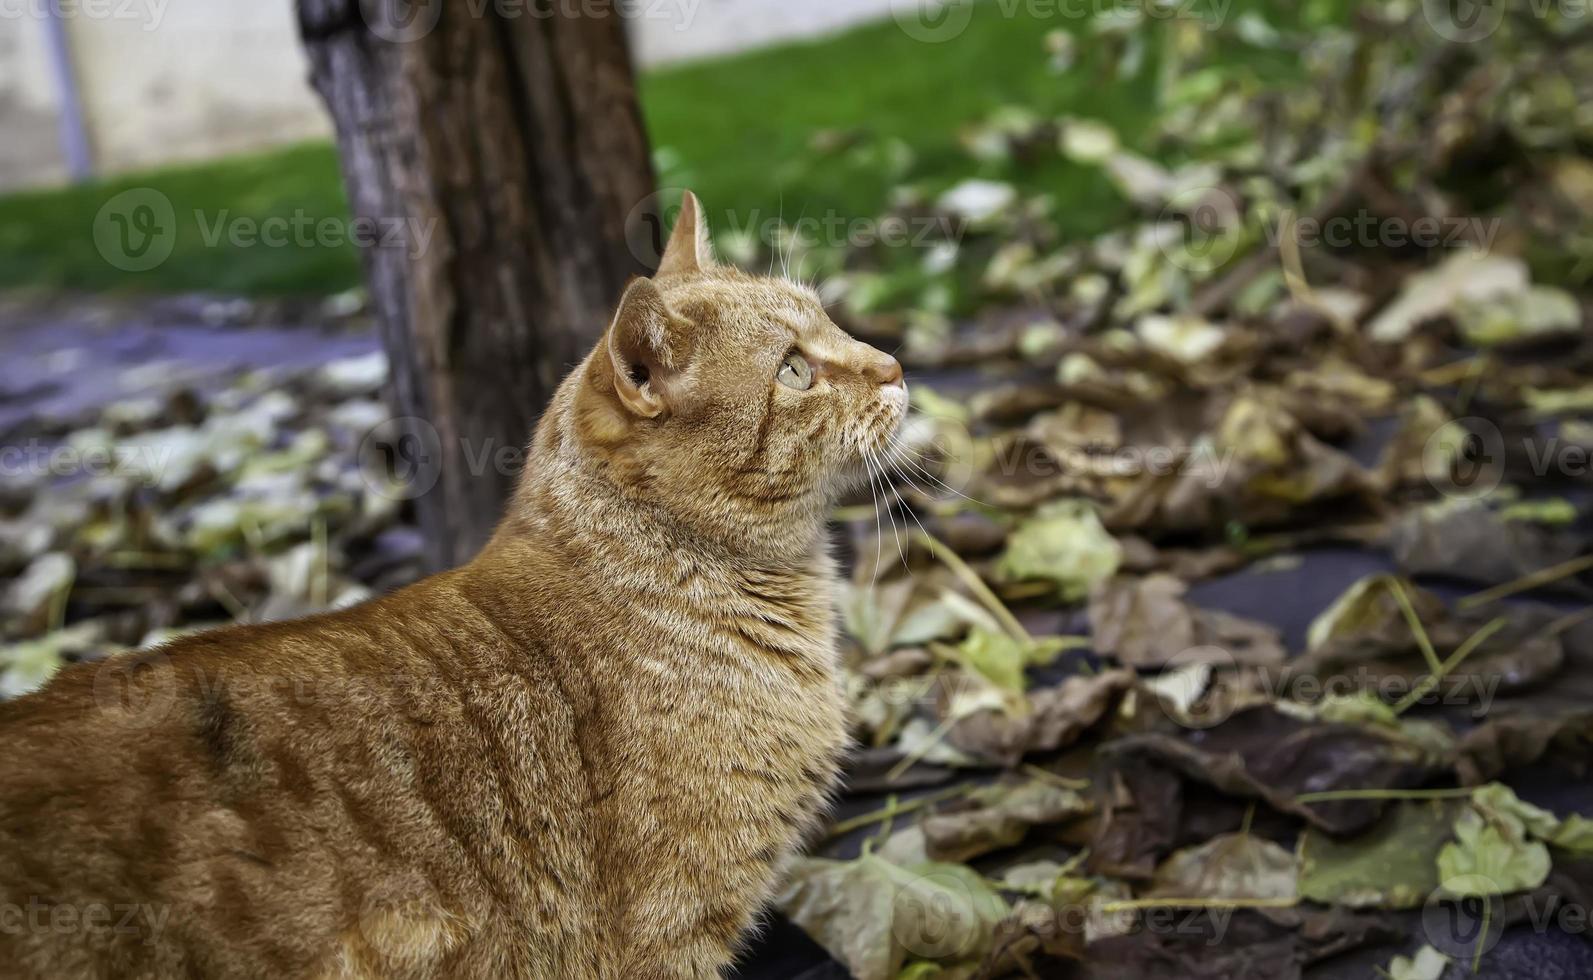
x=738, y=130
x=47, y=238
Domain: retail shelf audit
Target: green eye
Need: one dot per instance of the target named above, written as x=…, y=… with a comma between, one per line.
x=795, y=372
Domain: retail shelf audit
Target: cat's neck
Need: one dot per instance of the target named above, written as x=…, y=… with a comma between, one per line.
x=567, y=503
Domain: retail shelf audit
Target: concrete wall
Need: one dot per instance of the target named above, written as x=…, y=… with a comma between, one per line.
x=202, y=79
x=168, y=81
x=681, y=30
x=30, y=151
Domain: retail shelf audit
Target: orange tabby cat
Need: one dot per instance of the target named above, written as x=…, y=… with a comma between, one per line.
x=584, y=754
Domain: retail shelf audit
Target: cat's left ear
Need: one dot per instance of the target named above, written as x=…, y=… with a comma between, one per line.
x=690, y=250
x=648, y=346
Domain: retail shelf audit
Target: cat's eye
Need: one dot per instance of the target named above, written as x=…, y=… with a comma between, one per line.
x=795, y=372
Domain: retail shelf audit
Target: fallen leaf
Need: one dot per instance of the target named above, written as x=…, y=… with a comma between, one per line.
x=1468, y=275
x=1491, y=857
x=1427, y=964
x=1065, y=544
x=997, y=816
x=1055, y=718
x=1470, y=540
x=1230, y=866
x=1262, y=753
x=871, y=914
x=1147, y=623
x=1392, y=865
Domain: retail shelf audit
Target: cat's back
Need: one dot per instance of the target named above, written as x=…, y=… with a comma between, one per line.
x=370, y=785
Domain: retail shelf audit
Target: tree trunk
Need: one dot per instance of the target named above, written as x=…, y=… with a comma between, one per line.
x=491, y=158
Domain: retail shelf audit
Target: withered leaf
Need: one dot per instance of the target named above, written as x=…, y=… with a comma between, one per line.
x=1234, y=866
x=871, y=914
x=1265, y=754
x=1393, y=865
x=1189, y=945
x=1056, y=717
x=997, y=816
x=1147, y=623
x=1473, y=541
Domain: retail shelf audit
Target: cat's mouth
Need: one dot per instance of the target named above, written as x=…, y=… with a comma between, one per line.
x=877, y=430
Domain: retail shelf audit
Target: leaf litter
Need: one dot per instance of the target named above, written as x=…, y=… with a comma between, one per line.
x=1068, y=765
x=1208, y=389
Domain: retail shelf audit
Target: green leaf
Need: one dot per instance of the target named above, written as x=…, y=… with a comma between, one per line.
x=871, y=914
x=1550, y=510
x=1391, y=866
x=1065, y=544
x=996, y=657
x=1575, y=834
x=1534, y=312
x=1491, y=858
x=889, y=615
x=26, y=665
x=1499, y=804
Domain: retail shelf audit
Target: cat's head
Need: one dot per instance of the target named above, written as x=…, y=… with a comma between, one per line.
x=733, y=401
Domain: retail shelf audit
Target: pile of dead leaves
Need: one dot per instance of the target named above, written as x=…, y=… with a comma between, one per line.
x=182, y=510
x=1069, y=763
x=1066, y=762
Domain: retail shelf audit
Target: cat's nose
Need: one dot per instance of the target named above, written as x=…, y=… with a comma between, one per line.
x=885, y=369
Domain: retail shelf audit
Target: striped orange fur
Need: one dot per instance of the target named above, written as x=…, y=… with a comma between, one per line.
x=586, y=753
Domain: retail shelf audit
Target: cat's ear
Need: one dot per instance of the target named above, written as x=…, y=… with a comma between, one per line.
x=648, y=345
x=690, y=250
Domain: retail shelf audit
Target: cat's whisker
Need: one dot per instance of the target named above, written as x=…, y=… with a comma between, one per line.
x=907, y=477
x=934, y=444
x=791, y=244
x=918, y=465
x=872, y=462
x=908, y=507
x=774, y=245
x=879, y=531
x=900, y=454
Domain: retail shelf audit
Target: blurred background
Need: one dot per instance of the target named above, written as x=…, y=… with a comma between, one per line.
x=1248, y=340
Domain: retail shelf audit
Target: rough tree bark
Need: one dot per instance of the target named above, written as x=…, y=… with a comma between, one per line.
x=491, y=157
